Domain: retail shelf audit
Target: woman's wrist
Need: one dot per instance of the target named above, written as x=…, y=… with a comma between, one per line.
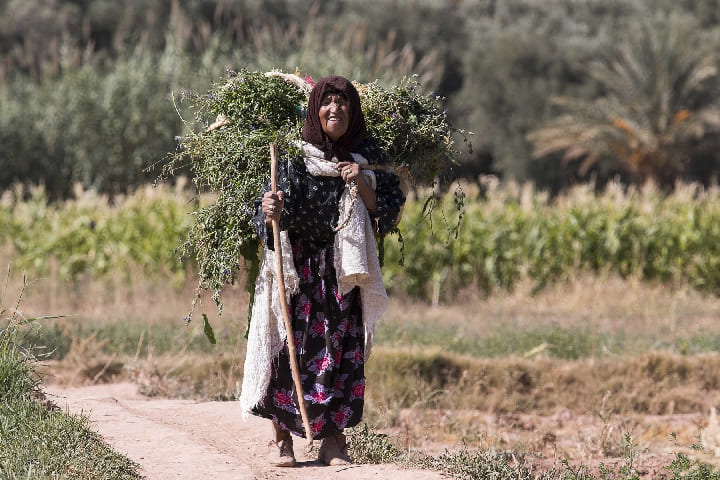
x=368, y=195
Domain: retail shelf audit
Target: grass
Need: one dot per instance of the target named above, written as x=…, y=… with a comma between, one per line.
x=567, y=345
x=652, y=384
x=37, y=441
x=617, y=316
x=615, y=350
x=368, y=446
x=552, y=340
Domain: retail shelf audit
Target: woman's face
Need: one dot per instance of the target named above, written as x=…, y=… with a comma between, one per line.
x=334, y=115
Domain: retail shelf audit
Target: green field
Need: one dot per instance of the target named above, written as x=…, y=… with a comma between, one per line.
x=507, y=235
x=539, y=304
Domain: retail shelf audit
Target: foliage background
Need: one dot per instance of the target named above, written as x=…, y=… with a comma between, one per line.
x=512, y=235
x=85, y=86
x=87, y=90
x=89, y=101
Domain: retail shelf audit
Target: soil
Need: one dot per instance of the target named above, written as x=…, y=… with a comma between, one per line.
x=584, y=441
x=186, y=439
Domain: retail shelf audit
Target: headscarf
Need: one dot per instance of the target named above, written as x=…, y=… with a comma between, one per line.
x=312, y=131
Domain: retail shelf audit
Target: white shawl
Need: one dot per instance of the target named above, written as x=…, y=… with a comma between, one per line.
x=356, y=264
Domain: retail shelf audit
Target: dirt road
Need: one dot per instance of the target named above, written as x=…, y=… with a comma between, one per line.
x=185, y=439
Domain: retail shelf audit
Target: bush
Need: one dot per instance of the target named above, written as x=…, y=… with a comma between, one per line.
x=230, y=157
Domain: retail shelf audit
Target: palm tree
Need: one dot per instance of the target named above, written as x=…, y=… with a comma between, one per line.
x=657, y=108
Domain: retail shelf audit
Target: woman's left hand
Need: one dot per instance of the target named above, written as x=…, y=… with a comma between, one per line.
x=349, y=171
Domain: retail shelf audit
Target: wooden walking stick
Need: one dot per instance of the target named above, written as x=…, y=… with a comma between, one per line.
x=283, y=304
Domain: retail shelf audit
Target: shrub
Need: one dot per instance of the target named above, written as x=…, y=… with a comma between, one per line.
x=248, y=111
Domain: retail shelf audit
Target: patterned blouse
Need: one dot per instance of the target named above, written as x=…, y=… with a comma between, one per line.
x=311, y=202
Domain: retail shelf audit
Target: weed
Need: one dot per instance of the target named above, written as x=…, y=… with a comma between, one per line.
x=471, y=465
x=368, y=446
x=686, y=469
x=41, y=442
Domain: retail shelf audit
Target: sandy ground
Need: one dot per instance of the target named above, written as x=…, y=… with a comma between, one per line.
x=185, y=439
x=188, y=439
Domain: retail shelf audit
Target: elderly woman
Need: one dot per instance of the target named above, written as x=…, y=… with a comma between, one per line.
x=330, y=202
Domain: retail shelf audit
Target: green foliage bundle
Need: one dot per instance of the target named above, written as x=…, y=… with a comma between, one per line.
x=412, y=128
x=227, y=151
x=232, y=161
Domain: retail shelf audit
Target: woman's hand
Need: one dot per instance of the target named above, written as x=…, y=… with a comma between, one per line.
x=350, y=171
x=272, y=205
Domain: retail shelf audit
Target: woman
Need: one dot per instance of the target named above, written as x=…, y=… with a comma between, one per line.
x=330, y=207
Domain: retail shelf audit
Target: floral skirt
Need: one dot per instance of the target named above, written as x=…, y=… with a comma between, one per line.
x=329, y=342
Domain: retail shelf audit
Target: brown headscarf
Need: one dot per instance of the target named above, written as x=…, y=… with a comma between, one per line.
x=312, y=131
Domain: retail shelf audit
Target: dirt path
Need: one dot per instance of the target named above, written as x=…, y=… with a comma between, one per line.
x=185, y=439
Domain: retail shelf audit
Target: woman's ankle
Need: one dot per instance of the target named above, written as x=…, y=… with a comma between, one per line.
x=281, y=434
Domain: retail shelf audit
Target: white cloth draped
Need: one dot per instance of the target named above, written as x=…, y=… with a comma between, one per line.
x=356, y=264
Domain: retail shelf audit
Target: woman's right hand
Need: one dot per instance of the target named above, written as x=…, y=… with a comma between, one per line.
x=272, y=205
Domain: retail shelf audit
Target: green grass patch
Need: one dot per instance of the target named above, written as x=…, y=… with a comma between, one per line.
x=490, y=339
x=552, y=340
x=55, y=340
x=699, y=343
x=129, y=338
x=41, y=442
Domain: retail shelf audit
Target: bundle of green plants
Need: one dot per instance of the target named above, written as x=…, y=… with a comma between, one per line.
x=226, y=149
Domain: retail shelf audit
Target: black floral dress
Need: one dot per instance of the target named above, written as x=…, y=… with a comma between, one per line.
x=328, y=328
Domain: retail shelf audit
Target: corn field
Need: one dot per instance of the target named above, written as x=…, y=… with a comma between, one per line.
x=91, y=237
x=508, y=233
x=513, y=232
